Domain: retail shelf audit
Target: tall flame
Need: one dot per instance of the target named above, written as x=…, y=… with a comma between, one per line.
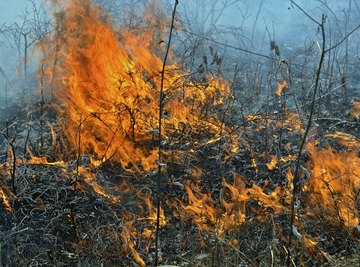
x=108, y=86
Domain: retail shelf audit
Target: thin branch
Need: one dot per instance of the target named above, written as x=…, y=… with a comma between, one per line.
x=342, y=40
x=161, y=106
x=78, y=160
x=322, y=96
x=297, y=167
x=13, y=163
x=227, y=45
x=306, y=14
x=234, y=47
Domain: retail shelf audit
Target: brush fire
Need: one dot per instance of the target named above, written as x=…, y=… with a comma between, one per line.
x=132, y=160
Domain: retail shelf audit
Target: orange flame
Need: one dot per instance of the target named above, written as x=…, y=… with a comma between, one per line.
x=107, y=84
x=272, y=164
x=130, y=245
x=334, y=183
x=5, y=192
x=152, y=217
x=230, y=212
x=5, y=200
x=281, y=87
x=200, y=209
x=345, y=139
x=112, y=81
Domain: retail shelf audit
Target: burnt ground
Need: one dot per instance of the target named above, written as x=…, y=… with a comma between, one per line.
x=59, y=218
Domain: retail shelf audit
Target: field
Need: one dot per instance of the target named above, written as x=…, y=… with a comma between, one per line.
x=135, y=140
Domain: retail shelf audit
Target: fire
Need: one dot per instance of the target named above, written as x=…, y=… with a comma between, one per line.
x=130, y=245
x=281, y=87
x=215, y=217
x=335, y=185
x=6, y=195
x=111, y=80
x=152, y=210
x=41, y=160
x=348, y=140
x=106, y=82
x=228, y=214
x=131, y=235
x=235, y=206
x=331, y=194
x=5, y=200
x=272, y=164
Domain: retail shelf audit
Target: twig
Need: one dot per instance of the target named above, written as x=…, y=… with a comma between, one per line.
x=342, y=40
x=297, y=166
x=307, y=14
x=321, y=96
x=229, y=46
x=26, y=142
x=13, y=169
x=79, y=153
x=161, y=105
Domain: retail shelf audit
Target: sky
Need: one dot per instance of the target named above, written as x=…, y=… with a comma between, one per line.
x=12, y=10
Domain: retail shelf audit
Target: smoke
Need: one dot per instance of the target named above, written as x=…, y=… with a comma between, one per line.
x=12, y=13
x=16, y=31
x=248, y=24
x=276, y=19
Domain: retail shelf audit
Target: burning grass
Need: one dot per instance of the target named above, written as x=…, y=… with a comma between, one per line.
x=108, y=82
x=335, y=186
x=227, y=192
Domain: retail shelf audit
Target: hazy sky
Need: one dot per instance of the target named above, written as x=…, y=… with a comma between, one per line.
x=274, y=12
x=279, y=16
x=11, y=10
x=289, y=24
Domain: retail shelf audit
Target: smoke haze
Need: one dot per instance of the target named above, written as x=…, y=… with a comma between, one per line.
x=246, y=24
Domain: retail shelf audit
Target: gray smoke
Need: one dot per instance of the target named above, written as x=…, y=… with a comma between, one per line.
x=248, y=24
